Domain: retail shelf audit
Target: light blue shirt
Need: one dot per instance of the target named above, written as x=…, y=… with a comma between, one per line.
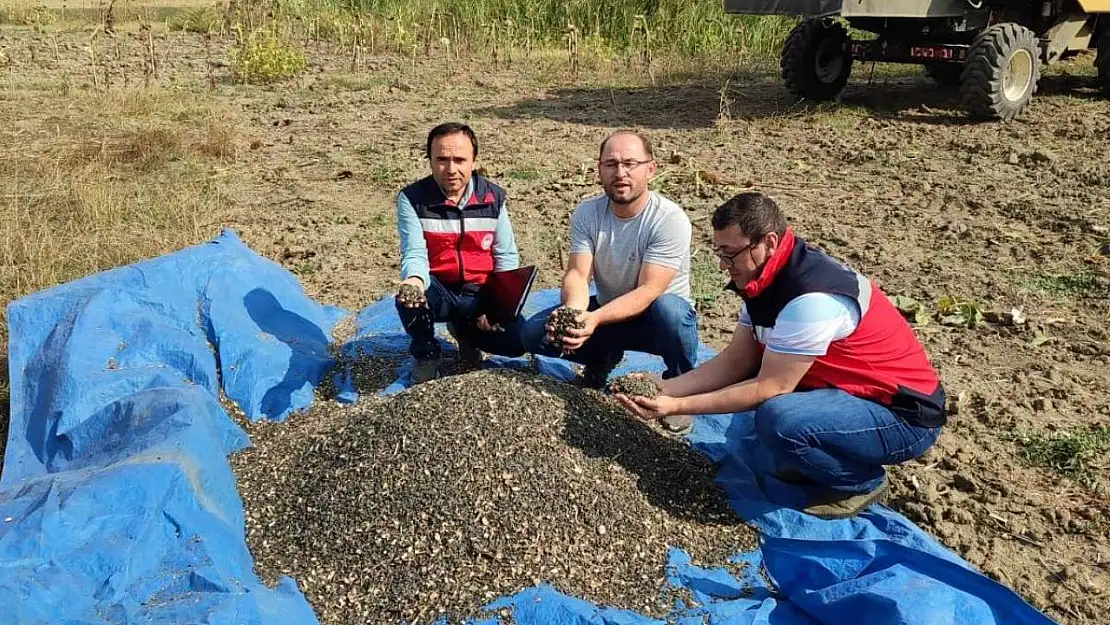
x=808, y=324
x=414, y=251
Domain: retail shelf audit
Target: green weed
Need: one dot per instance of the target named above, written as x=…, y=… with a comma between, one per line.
x=266, y=56
x=201, y=20
x=385, y=174
x=1077, y=454
x=526, y=173
x=1079, y=284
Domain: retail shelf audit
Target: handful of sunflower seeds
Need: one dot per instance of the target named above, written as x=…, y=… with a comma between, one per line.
x=562, y=319
x=410, y=295
x=635, y=385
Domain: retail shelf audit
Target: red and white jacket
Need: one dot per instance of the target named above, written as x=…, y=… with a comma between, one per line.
x=460, y=239
x=882, y=360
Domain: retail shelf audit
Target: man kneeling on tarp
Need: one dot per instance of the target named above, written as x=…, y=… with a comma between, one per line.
x=834, y=377
x=455, y=232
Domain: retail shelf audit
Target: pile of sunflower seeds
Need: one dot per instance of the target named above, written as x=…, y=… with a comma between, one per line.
x=464, y=489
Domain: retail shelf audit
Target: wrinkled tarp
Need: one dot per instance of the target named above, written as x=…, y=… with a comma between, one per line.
x=117, y=504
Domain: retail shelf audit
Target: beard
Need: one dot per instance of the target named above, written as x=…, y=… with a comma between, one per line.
x=625, y=195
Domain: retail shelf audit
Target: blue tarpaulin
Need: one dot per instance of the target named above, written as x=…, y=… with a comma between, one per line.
x=117, y=503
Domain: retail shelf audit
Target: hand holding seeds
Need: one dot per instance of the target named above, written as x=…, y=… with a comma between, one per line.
x=635, y=385
x=562, y=320
x=411, y=295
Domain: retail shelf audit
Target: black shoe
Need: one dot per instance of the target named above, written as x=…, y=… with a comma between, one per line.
x=596, y=374
x=468, y=354
x=425, y=369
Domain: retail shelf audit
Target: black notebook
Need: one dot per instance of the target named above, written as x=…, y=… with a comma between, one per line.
x=503, y=295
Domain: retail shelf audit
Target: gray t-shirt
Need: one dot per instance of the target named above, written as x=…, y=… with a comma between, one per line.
x=659, y=234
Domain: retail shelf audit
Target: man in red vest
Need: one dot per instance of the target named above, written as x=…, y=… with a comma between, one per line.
x=832, y=374
x=455, y=230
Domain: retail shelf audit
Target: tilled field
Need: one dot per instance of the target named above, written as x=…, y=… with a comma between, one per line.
x=468, y=488
x=973, y=221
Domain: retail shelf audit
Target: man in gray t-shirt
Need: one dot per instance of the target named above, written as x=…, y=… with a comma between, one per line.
x=635, y=244
x=659, y=234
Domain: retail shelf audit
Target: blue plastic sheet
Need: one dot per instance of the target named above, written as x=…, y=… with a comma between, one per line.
x=117, y=504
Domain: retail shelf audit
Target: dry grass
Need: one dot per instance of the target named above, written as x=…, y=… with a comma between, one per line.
x=99, y=180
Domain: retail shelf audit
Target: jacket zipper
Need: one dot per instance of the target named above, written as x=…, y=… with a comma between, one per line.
x=459, y=244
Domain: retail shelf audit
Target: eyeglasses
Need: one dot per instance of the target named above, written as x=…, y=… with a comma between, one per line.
x=730, y=259
x=628, y=164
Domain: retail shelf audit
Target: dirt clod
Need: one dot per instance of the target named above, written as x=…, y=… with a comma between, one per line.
x=455, y=492
x=963, y=482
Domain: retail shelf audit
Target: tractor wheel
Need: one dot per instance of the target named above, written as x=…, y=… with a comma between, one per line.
x=1001, y=72
x=945, y=74
x=816, y=60
x=1102, y=62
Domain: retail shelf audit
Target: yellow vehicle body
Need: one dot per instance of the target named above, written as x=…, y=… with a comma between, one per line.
x=1095, y=6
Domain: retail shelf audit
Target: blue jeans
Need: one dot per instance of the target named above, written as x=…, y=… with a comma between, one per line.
x=668, y=328
x=839, y=441
x=461, y=307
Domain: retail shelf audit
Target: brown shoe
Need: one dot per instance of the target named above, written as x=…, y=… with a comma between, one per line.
x=841, y=505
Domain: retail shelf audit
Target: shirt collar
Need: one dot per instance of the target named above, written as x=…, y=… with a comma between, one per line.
x=466, y=194
x=771, y=268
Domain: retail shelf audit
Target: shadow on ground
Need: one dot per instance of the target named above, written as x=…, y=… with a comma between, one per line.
x=694, y=106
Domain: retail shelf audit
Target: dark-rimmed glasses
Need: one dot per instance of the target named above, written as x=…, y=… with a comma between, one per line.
x=730, y=259
x=628, y=164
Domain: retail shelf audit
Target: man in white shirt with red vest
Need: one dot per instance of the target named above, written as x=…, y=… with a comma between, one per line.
x=455, y=230
x=832, y=374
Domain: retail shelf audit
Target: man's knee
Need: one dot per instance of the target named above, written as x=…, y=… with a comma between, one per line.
x=670, y=311
x=533, y=333
x=781, y=421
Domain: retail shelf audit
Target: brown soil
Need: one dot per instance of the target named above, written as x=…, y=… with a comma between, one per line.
x=894, y=180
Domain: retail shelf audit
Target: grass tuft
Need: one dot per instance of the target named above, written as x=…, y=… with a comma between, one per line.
x=640, y=29
x=524, y=173
x=203, y=20
x=1078, y=284
x=266, y=56
x=78, y=196
x=1077, y=454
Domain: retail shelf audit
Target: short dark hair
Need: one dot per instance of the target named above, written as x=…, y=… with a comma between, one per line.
x=450, y=128
x=643, y=139
x=756, y=214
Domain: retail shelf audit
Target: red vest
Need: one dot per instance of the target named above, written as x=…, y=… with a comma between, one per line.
x=882, y=360
x=459, y=239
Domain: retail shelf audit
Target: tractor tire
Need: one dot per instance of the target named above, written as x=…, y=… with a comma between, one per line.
x=816, y=60
x=1001, y=72
x=945, y=74
x=1102, y=62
